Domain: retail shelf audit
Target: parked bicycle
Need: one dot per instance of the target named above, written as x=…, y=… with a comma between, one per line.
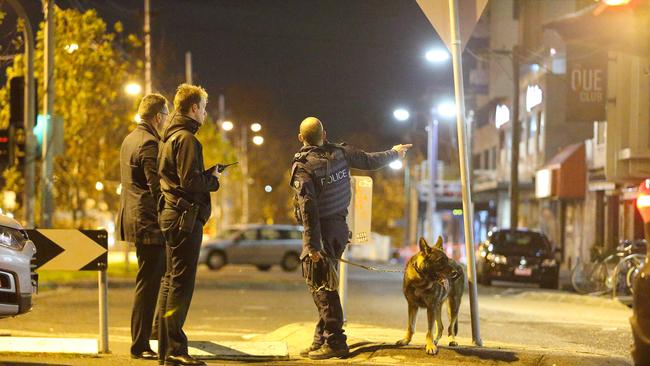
x=613, y=273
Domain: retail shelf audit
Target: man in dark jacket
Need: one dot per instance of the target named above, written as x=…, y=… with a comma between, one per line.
x=138, y=217
x=186, y=187
x=320, y=179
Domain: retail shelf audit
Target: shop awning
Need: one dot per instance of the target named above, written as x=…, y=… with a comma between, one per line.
x=565, y=175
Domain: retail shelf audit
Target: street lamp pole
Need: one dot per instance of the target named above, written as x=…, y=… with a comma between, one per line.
x=147, y=47
x=432, y=157
x=48, y=112
x=244, y=166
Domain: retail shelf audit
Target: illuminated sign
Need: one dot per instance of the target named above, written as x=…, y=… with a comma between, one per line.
x=502, y=115
x=533, y=97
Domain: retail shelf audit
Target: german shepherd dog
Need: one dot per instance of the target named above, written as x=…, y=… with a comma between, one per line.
x=430, y=278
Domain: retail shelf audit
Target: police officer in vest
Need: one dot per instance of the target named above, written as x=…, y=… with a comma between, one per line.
x=185, y=185
x=320, y=179
x=137, y=221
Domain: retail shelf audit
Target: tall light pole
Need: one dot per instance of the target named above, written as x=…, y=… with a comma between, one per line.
x=147, y=47
x=48, y=111
x=243, y=146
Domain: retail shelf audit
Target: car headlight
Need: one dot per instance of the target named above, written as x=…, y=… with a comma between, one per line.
x=549, y=262
x=12, y=238
x=497, y=258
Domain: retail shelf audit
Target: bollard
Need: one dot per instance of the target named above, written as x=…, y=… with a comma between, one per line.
x=103, y=310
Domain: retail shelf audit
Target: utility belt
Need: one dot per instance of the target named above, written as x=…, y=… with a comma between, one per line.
x=189, y=212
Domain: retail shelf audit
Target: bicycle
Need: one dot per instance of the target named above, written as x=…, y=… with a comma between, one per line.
x=610, y=273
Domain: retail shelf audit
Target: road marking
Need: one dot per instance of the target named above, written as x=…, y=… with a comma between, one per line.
x=49, y=345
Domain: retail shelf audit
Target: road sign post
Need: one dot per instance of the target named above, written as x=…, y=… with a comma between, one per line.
x=454, y=21
x=77, y=250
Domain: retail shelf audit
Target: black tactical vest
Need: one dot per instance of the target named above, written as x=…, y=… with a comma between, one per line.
x=331, y=176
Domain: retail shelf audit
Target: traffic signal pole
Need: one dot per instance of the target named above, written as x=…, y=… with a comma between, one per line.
x=47, y=207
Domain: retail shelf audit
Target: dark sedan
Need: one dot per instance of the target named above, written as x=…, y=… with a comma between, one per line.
x=517, y=255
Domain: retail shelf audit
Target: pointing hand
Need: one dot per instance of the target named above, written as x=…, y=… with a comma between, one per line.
x=402, y=149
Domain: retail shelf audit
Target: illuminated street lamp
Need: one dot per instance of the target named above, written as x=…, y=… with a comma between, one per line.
x=133, y=88
x=437, y=55
x=256, y=127
x=227, y=125
x=268, y=189
x=396, y=165
x=446, y=109
x=401, y=114
x=258, y=140
x=99, y=186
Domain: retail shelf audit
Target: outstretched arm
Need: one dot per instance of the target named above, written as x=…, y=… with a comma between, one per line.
x=359, y=159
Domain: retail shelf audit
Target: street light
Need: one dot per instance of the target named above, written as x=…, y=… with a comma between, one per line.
x=256, y=127
x=99, y=186
x=401, y=114
x=70, y=48
x=396, y=165
x=258, y=140
x=437, y=55
x=446, y=109
x=268, y=189
x=133, y=88
x=227, y=125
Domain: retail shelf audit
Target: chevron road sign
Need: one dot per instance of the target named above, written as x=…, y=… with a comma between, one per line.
x=70, y=250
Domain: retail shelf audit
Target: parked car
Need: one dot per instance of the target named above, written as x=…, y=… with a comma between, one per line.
x=517, y=255
x=18, y=281
x=260, y=245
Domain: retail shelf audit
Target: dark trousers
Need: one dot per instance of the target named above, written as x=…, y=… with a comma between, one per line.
x=151, y=266
x=329, y=328
x=178, y=282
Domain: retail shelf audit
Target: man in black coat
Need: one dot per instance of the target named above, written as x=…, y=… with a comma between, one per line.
x=186, y=186
x=320, y=178
x=138, y=217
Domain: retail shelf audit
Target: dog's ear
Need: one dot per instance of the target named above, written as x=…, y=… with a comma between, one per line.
x=424, y=247
x=438, y=243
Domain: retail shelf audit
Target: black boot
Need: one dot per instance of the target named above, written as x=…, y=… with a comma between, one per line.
x=183, y=360
x=314, y=347
x=328, y=351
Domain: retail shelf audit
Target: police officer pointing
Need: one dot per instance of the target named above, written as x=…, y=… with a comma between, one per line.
x=320, y=178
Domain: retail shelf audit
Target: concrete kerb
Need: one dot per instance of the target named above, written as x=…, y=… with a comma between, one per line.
x=377, y=346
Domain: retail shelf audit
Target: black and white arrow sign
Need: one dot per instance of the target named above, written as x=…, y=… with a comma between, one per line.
x=70, y=250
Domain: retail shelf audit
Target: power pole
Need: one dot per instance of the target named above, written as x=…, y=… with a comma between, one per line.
x=188, y=67
x=30, y=108
x=48, y=111
x=147, y=48
x=516, y=134
x=244, y=168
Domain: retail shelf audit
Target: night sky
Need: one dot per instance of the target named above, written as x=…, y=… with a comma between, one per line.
x=348, y=62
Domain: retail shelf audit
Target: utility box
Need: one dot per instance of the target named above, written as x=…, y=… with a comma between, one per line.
x=360, y=210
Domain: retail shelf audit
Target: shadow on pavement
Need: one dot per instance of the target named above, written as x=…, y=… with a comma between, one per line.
x=418, y=351
x=486, y=353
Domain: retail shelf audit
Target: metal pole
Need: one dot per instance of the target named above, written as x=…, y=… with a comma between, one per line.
x=147, y=47
x=432, y=154
x=244, y=198
x=514, y=148
x=30, y=108
x=48, y=112
x=468, y=209
x=103, y=311
x=188, y=67
x=407, y=201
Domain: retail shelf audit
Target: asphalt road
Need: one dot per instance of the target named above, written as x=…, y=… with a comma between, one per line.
x=240, y=302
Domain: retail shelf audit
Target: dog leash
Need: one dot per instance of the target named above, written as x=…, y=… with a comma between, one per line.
x=367, y=268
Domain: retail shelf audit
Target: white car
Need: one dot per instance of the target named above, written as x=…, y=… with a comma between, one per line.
x=18, y=281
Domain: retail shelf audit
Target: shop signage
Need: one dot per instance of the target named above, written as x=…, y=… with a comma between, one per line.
x=587, y=84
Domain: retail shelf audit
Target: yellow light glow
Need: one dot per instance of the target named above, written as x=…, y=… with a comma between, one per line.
x=643, y=201
x=133, y=88
x=227, y=125
x=258, y=140
x=616, y=2
x=99, y=186
x=256, y=127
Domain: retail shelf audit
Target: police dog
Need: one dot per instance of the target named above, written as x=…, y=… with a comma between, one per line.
x=430, y=278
